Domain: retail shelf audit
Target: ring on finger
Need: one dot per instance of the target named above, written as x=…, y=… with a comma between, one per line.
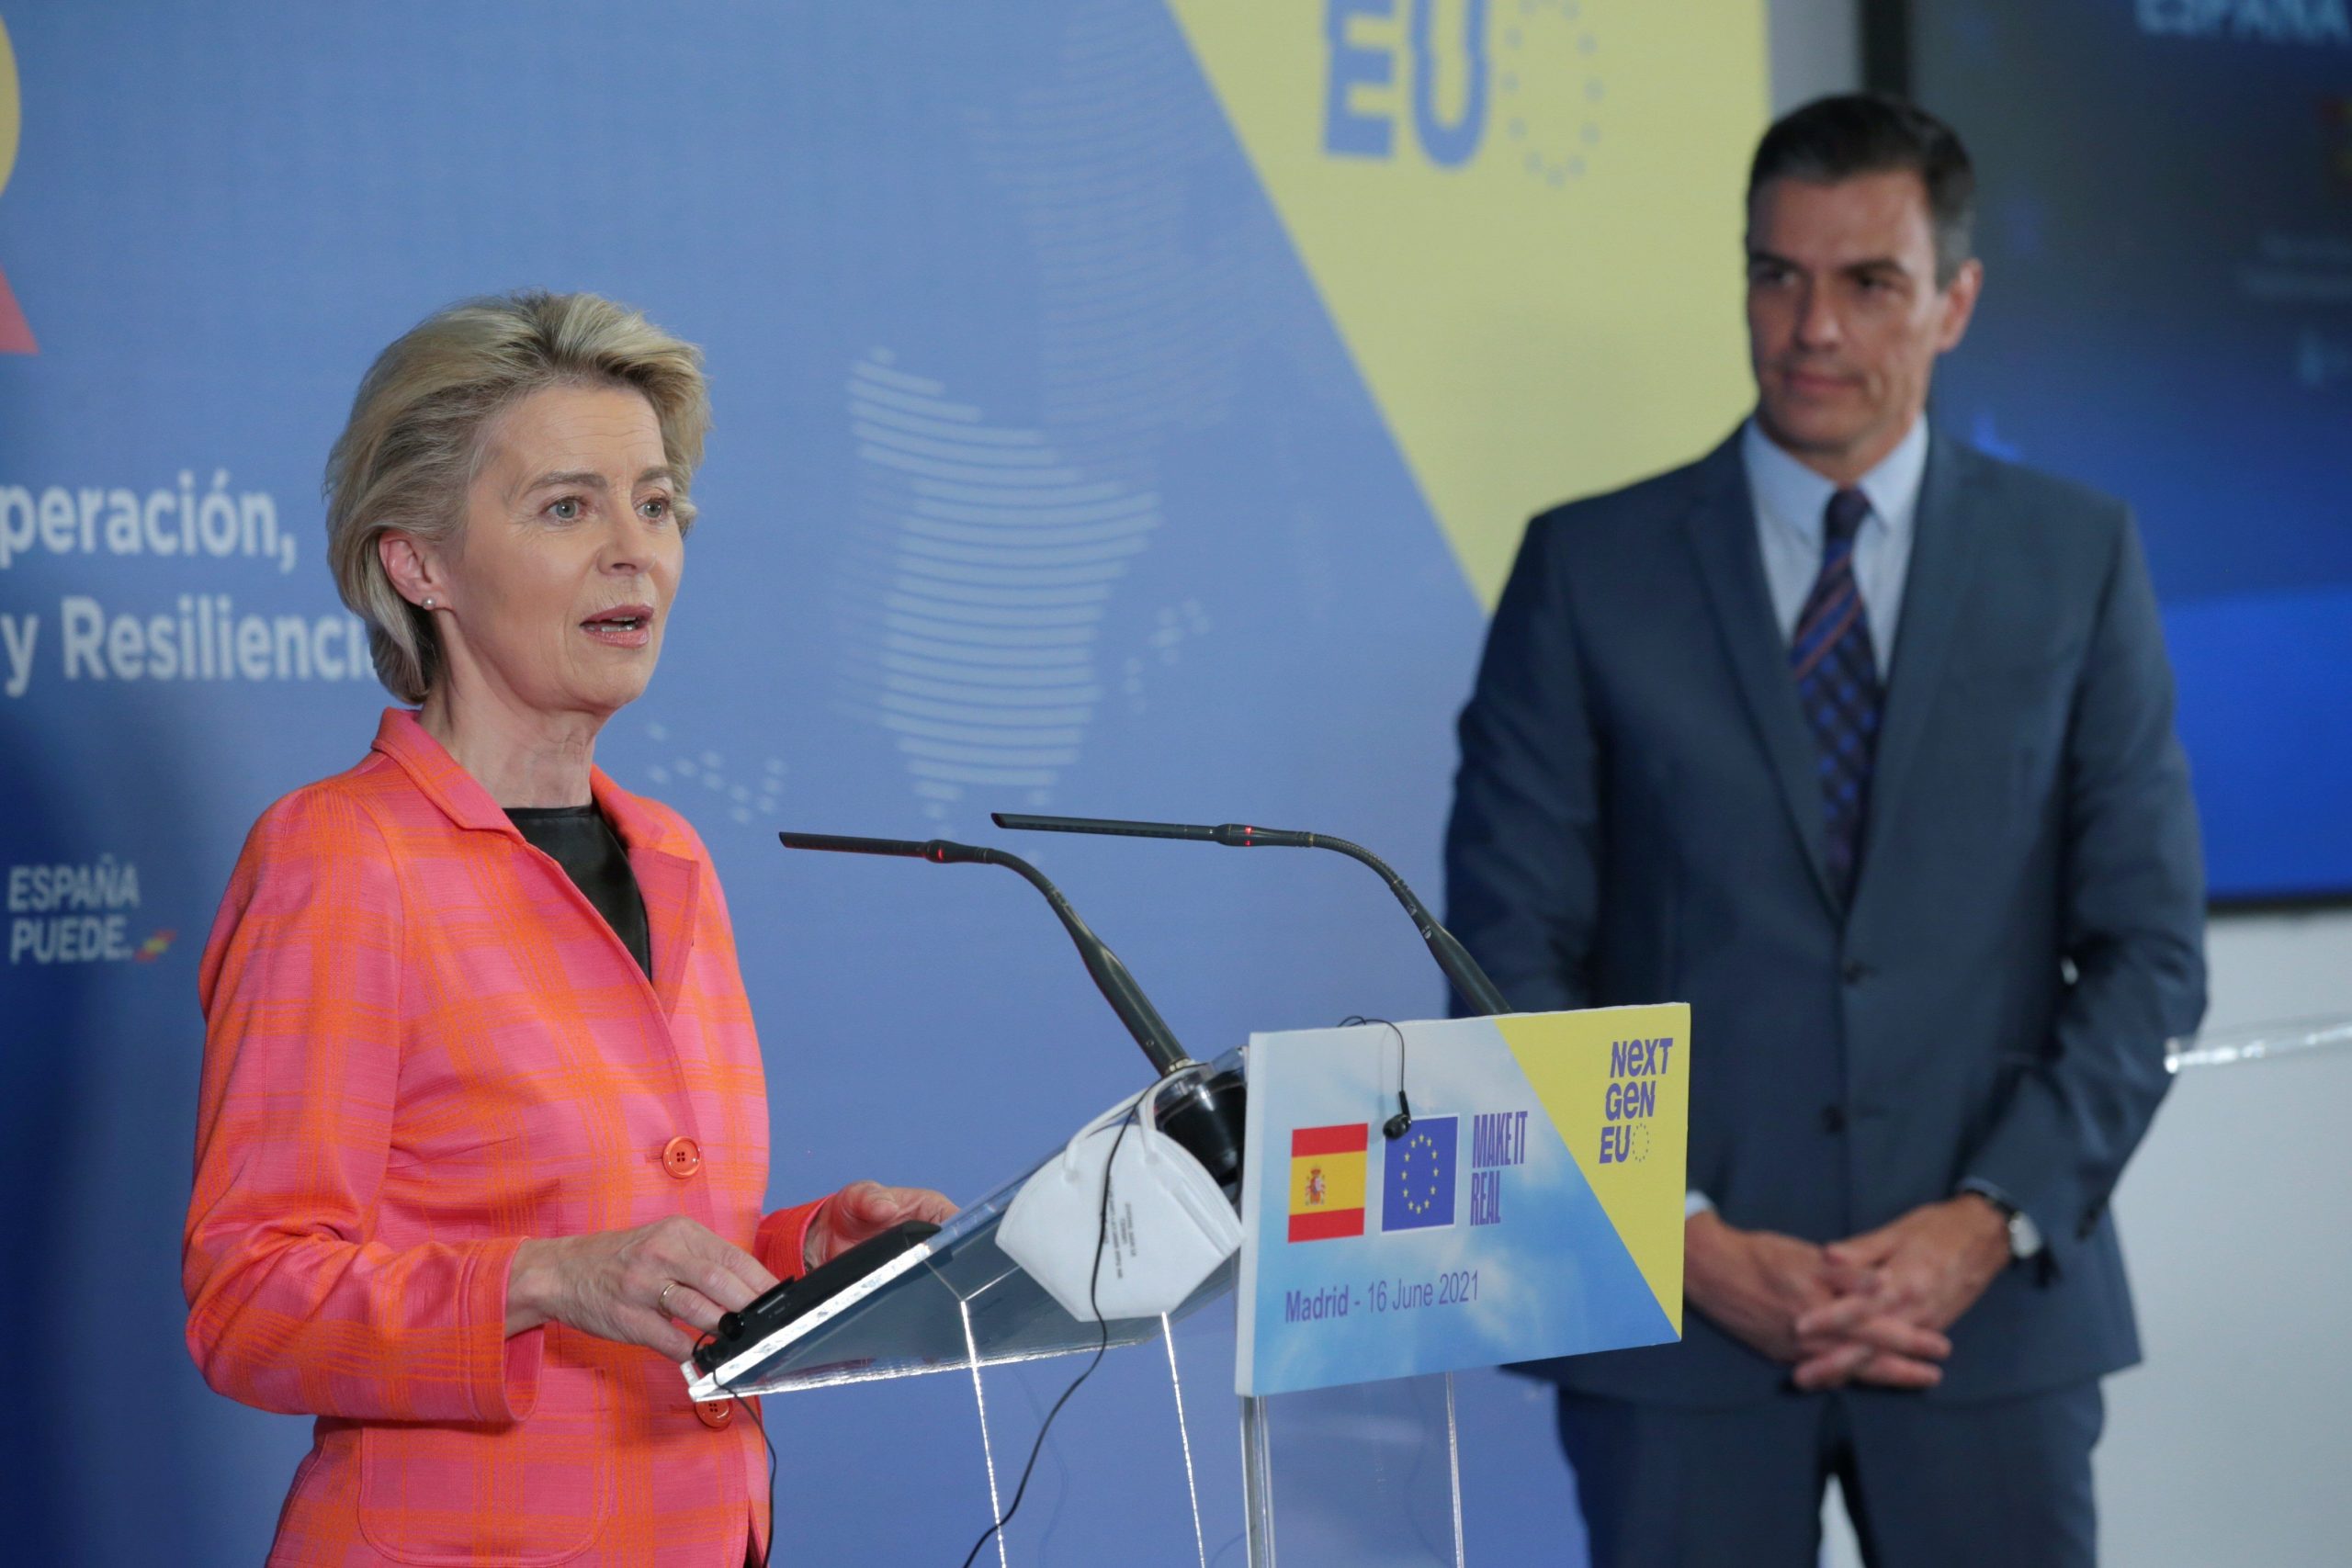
x=662, y=1301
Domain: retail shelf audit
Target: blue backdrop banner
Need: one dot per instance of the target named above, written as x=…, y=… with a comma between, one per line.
x=1122, y=407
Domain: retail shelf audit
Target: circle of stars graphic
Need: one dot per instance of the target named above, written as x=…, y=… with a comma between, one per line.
x=1545, y=47
x=1421, y=1198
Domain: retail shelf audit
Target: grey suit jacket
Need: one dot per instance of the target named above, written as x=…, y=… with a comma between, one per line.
x=1636, y=819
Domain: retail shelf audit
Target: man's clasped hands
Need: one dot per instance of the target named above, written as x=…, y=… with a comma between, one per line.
x=1871, y=1309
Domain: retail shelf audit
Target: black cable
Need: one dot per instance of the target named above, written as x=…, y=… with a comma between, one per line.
x=1396, y=1126
x=759, y=1420
x=1093, y=1279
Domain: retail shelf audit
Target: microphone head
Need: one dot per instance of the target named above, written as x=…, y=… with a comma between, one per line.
x=939, y=851
x=1114, y=827
x=842, y=843
x=1396, y=1126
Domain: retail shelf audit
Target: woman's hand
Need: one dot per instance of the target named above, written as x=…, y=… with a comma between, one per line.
x=864, y=1210
x=629, y=1285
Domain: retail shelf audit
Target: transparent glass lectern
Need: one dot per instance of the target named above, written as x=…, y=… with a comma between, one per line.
x=1365, y=1474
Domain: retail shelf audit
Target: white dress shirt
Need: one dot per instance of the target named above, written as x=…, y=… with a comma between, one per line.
x=1790, y=499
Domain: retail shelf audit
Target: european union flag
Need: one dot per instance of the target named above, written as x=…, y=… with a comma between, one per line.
x=1416, y=1190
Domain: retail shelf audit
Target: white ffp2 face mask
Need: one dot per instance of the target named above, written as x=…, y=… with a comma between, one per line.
x=1169, y=1225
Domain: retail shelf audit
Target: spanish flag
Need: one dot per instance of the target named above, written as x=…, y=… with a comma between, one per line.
x=1327, y=1181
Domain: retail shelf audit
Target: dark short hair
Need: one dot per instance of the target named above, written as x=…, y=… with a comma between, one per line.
x=1851, y=134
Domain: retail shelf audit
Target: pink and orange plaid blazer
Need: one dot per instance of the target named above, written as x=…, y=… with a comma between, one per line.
x=422, y=1046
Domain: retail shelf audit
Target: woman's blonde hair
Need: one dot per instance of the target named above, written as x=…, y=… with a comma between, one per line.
x=415, y=438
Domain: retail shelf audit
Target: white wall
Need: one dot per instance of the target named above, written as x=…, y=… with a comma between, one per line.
x=1816, y=48
x=2228, y=1445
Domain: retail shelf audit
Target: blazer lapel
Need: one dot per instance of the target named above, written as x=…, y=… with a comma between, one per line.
x=1943, y=551
x=670, y=884
x=1722, y=529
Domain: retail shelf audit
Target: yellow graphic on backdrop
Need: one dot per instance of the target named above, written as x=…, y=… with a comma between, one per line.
x=1616, y=1084
x=15, y=336
x=10, y=112
x=1524, y=218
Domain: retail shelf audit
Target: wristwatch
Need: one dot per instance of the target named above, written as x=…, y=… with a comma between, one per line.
x=2024, y=1236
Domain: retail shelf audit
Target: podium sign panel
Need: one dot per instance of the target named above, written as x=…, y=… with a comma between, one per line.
x=1532, y=1209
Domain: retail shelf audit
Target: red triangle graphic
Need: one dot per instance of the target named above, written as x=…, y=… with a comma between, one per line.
x=16, y=332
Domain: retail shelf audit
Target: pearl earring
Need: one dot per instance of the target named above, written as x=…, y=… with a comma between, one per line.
x=428, y=601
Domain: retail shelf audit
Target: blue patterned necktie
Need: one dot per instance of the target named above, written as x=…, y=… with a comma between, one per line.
x=1836, y=676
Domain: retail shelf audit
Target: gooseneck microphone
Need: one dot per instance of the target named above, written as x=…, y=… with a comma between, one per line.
x=1110, y=977
x=1469, y=981
x=1207, y=1119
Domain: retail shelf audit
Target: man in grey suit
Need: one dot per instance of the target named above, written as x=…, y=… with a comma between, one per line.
x=1861, y=742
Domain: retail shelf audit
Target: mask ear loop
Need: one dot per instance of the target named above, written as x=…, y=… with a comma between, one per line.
x=1396, y=1126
